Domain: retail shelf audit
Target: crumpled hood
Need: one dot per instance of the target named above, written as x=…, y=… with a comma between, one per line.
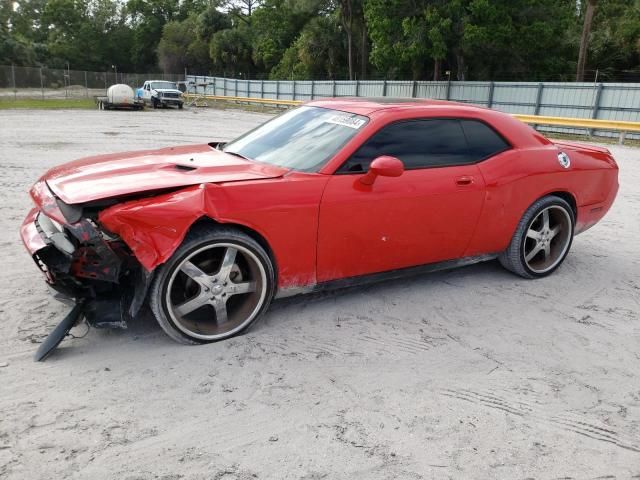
x=113, y=175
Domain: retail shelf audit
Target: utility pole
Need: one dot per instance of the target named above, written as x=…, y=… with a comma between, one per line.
x=13, y=76
x=584, y=39
x=67, y=81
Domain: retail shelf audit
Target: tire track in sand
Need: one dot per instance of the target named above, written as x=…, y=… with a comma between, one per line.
x=567, y=421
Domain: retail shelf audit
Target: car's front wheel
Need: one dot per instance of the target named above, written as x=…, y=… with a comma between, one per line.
x=215, y=286
x=542, y=239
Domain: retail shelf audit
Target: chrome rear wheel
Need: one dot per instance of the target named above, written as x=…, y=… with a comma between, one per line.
x=548, y=238
x=542, y=238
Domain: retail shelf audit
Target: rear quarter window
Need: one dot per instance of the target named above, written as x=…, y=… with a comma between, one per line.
x=483, y=141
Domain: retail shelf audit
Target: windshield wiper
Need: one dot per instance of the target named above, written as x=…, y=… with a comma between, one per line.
x=238, y=155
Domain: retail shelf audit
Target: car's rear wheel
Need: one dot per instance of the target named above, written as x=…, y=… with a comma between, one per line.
x=216, y=285
x=542, y=239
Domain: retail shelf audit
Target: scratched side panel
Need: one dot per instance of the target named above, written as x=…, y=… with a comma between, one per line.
x=516, y=179
x=285, y=212
x=421, y=217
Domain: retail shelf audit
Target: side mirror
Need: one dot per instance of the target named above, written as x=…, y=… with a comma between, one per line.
x=384, y=166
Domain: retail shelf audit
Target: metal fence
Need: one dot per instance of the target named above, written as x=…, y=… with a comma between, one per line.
x=45, y=82
x=605, y=101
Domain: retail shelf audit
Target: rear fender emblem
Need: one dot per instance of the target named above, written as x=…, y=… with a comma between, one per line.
x=564, y=160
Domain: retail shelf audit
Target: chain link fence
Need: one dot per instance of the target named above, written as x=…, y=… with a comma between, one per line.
x=42, y=82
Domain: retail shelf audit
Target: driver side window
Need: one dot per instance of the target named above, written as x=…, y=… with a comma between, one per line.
x=427, y=144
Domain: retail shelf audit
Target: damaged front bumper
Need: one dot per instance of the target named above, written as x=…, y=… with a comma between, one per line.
x=83, y=264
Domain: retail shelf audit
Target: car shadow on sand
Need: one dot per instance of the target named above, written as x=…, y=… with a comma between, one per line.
x=484, y=273
x=145, y=332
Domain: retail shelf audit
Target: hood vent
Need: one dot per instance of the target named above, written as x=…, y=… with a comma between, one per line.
x=187, y=168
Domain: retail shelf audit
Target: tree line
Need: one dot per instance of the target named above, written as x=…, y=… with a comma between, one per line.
x=330, y=39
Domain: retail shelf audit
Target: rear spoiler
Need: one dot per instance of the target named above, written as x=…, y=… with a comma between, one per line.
x=582, y=146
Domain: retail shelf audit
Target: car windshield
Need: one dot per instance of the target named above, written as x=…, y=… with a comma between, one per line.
x=164, y=86
x=301, y=139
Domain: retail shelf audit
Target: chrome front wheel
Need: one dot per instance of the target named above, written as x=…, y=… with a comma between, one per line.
x=215, y=286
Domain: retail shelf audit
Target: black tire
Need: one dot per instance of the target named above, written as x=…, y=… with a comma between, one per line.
x=154, y=103
x=199, y=242
x=180, y=106
x=523, y=245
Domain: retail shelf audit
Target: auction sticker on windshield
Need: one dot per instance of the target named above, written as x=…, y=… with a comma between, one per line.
x=347, y=121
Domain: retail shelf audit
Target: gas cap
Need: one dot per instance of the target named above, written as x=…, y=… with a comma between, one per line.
x=564, y=160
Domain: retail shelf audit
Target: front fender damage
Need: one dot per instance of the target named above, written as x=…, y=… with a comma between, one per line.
x=153, y=228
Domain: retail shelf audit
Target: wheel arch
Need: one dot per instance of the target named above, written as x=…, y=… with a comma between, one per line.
x=567, y=197
x=513, y=258
x=563, y=194
x=206, y=220
x=201, y=234
x=142, y=284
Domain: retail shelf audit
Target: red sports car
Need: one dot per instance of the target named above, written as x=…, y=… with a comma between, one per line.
x=333, y=193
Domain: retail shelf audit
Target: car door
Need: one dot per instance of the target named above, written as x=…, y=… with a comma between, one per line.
x=147, y=92
x=426, y=215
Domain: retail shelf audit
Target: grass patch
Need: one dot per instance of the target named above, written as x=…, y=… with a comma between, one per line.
x=46, y=104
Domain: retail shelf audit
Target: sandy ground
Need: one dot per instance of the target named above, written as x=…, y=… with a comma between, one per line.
x=473, y=373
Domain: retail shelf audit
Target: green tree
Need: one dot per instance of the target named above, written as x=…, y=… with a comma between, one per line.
x=522, y=39
x=179, y=48
x=614, y=47
x=16, y=46
x=86, y=34
x=210, y=21
x=352, y=15
x=147, y=18
x=419, y=39
x=319, y=52
x=276, y=25
x=231, y=53
x=388, y=25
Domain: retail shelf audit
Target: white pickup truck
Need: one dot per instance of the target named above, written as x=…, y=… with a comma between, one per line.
x=160, y=93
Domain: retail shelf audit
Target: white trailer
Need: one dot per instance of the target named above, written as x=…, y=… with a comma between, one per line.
x=119, y=96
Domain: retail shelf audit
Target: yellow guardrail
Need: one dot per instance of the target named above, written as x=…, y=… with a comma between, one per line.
x=588, y=123
x=581, y=123
x=265, y=101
